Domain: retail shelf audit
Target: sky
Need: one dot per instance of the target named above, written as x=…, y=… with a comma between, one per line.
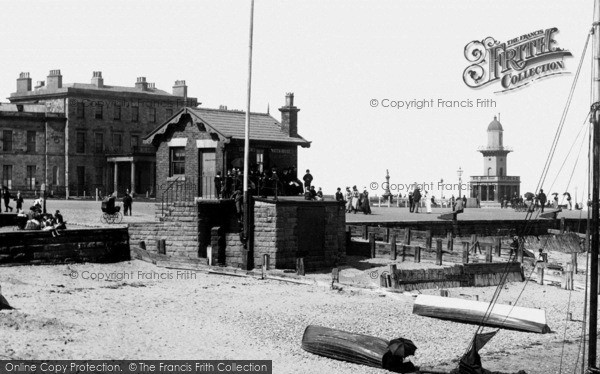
x=337, y=57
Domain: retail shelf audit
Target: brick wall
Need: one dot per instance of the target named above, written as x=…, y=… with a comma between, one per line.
x=185, y=129
x=86, y=245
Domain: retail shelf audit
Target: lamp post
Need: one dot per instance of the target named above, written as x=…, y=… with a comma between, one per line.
x=459, y=172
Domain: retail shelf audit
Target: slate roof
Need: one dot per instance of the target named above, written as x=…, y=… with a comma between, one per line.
x=231, y=124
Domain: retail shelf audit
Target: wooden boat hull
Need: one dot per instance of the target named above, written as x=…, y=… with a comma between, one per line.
x=355, y=348
x=470, y=311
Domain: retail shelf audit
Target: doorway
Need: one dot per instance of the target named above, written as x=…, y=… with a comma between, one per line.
x=206, y=174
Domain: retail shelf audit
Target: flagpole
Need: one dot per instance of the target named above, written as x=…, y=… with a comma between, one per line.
x=248, y=258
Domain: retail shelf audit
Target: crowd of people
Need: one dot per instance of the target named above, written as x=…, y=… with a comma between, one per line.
x=35, y=219
x=355, y=201
x=269, y=182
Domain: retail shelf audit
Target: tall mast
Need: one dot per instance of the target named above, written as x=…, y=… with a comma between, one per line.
x=248, y=265
x=593, y=322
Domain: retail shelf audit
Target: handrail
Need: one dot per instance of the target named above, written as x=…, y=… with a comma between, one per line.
x=162, y=207
x=180, y=191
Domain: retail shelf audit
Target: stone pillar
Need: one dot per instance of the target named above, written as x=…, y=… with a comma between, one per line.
x=132, y=189
x=116, y=177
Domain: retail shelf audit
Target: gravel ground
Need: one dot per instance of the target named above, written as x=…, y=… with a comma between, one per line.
x=220, y=317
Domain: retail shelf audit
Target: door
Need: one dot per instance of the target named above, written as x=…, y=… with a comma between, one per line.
x=311, y=234
x=80, y=180
x=206, y=174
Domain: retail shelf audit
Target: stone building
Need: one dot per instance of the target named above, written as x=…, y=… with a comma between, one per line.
x=31, y=139
x=494, y=184
x=100, y=146
x=196, y=143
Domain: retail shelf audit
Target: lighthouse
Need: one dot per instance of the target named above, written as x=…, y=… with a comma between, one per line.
x=494, y=184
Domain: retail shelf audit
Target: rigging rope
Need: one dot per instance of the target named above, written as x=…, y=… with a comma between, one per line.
x=528, y=216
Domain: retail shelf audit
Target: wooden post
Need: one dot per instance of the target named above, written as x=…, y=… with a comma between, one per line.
x=348, y=236
x=389, y=280
x=394, y=277
x=335, y=275
x=540, y=271
x=428, y=239
x=300, y=266
x=365, y=232
x=393, y=248
x=382, y=280
x=520, y=252
x=498, y=247
x=488, y=253
x=465, y=252
x=574, y=261
x=450, y=242
x=438, y=252
x=568, y=277
x=562, y=225
x=403, y=253
x=444, y=293
x=407, y=236
x=265, y=265
x=387, y=234
x=417, y=254
x=372, y=244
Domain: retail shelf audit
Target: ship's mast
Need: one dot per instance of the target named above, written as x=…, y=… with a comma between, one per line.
x=593, y=322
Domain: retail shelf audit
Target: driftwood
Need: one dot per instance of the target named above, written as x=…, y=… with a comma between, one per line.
x=504, y=316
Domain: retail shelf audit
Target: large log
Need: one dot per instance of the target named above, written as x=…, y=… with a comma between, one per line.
x=504, y=316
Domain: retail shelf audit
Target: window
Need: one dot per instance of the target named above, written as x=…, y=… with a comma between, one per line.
x=117, y=113
x=177, y=161
x=55, y=180
x=30, y=141
x=152, y=113
x=7, y=140
x=31, y=177
x=135, y=114
x=117, y=141
x=169, y=112
x=7, y=176
x=99, y=110
x=99, y=175
x=80, y=110
x=80, y=148
x=260, y=159
x=135, y=142
x=98, y=142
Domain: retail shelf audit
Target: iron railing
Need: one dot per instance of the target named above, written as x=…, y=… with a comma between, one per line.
x=178, y=190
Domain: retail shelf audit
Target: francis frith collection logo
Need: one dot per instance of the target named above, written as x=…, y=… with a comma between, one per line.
x=515, y=63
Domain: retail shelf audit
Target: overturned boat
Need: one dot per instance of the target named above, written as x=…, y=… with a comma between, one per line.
x=359, y=349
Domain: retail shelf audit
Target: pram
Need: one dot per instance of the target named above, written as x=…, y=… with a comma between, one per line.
x=110, y=212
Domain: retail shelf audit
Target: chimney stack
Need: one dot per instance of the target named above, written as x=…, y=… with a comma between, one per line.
x=23, y=83
x=54, y=80
x=39, y=85
x=180, y=89
x=289, y=116
x=97, y=79
x=141, y=84
x=152, y=86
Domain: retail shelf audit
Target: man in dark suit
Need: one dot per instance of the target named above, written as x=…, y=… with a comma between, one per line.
x=417, y=198
x=542, y=199
x=308, y=178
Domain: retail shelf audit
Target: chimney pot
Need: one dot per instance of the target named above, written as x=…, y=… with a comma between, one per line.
x=39, y=84
x=141, y=84
x=23, y=83
x=289, y=116
x=97, y=79
x=180, y=89
x=54, y=80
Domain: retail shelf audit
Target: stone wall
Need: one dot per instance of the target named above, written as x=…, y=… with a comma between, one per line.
x=85, y=245
x=179, y=229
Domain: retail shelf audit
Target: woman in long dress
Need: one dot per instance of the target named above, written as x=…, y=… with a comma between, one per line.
x=427, y=202
x=366, y=205
x=355, y=196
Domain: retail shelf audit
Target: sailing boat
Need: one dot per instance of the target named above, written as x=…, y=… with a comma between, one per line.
x=471, y=361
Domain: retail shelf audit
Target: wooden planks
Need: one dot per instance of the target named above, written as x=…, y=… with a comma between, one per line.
x=503, y=316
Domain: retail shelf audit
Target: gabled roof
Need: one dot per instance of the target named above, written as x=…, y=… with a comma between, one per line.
x=230, y=124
